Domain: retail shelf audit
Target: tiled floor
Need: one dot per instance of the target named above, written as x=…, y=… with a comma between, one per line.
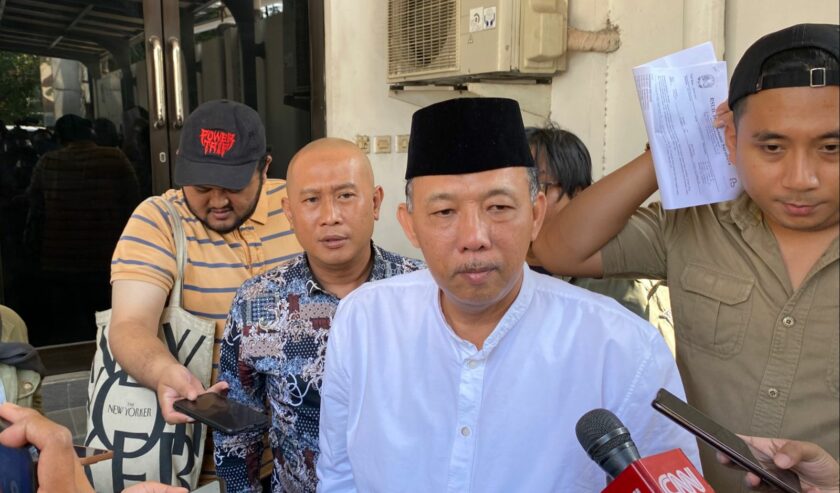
x=64, y=400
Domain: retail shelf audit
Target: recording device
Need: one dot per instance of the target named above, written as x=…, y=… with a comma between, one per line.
x=607, y=442
x=221, y=414
x=18, y=466
x=723, y=440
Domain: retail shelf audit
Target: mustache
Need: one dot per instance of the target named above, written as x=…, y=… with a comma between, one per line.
x=476, y=266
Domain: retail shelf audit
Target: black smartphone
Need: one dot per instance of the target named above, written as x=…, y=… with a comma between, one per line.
x=723, y=440
x=221, y=414
x=18, y=466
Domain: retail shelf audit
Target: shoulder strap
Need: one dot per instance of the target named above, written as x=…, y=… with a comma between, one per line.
x=180, y=253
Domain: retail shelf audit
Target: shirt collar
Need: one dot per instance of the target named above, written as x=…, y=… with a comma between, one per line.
x=508, y=321
x=746, y=214
x=260, y=214
x=377, y=272
x=743, y=211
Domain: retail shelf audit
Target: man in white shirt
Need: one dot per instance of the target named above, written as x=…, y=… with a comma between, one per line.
x=471, y=375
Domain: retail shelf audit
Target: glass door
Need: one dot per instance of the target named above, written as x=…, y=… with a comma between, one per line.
x=257, y=52
x=76, y=155
x=94, y=96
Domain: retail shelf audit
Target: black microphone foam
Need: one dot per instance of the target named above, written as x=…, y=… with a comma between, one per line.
x=607, y=442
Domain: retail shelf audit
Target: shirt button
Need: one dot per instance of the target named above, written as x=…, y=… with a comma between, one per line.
x=788, y=321
x=465, y=431
x=773, y=392
x=472, y=364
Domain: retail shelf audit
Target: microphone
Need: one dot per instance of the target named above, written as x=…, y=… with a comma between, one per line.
x=607, y=442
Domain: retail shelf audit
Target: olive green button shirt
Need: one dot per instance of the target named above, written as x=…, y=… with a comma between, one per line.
x=646, y=298
x=755, y=355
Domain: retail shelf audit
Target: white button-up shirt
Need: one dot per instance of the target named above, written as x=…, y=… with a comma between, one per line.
x=407, y=405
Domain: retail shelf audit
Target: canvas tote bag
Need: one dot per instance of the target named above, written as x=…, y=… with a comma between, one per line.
x=124, y=416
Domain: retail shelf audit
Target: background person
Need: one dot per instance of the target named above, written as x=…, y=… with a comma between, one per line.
x=80, y=197
x=565, y=169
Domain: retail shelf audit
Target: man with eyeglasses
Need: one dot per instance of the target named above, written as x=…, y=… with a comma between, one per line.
x=564, y=169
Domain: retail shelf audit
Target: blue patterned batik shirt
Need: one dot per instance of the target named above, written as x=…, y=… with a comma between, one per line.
x=273, y=354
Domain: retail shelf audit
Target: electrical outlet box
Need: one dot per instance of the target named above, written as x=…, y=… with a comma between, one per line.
x=363, y=141
x=382, y=144
x=402, y=143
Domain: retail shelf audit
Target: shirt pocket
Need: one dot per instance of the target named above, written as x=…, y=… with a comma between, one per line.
x=716, y=309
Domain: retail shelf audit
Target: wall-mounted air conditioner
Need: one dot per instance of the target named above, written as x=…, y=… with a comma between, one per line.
x=467, y=40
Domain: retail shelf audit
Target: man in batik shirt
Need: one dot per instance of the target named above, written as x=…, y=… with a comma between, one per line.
x=276, y=334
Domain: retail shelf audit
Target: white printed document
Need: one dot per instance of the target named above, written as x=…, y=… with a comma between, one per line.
x=679, y=94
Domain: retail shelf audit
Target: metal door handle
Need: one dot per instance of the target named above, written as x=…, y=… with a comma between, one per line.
x=177, y=69
x=157, y=77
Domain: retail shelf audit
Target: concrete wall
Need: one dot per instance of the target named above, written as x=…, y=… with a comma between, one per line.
x=595, y=97
x=748, y=20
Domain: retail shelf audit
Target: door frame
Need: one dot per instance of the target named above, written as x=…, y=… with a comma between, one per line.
x=162, y=20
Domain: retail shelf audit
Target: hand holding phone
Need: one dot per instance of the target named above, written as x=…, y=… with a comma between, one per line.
x=723, y=440
x=221, y=414
x=19, y=466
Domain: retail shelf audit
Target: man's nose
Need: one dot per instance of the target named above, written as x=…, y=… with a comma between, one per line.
x=218, y=199
x=800, y=171
x=473, y=231
x=330, y=213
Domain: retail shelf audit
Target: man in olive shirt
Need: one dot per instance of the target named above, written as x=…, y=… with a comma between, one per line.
x=754, y=281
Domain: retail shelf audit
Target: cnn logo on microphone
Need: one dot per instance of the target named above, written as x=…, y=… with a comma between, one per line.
x=681, y=481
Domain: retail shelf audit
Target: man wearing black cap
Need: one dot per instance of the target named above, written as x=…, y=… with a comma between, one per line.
x=471, y=375
x=754, y=281
x=235, y=228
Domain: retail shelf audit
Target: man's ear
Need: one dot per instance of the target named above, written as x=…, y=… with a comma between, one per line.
x=730, y=137
x=539, y=215
x=407, y=223
x=267, y=164
x=378, y=195
x=288, y=211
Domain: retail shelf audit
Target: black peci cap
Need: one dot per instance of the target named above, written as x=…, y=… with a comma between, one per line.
x=747, y=79
x=467, y=135
x=221, y=144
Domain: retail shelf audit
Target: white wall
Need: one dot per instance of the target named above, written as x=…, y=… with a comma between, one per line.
x=748, y=20
x=595, y=97
x=358, y=100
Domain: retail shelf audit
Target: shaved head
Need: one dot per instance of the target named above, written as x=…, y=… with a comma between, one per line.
x=330, y=150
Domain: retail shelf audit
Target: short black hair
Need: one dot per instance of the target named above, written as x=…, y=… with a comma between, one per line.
x=793, y=60
x=567, y=159
x=73, y=128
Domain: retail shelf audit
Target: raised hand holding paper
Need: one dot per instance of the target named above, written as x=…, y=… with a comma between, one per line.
x=678, y=94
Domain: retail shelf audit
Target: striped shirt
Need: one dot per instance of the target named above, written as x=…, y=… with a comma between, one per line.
x=217, y=264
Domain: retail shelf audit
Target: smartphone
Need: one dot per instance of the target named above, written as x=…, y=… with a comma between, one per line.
x=221, y=414
x=90, y=455
x=18, y=467
x=723, y=440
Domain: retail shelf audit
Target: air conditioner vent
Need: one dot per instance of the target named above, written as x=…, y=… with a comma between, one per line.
x=422, y=36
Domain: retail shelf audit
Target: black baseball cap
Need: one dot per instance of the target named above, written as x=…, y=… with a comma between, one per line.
x=221, y=144
x=747, y=78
